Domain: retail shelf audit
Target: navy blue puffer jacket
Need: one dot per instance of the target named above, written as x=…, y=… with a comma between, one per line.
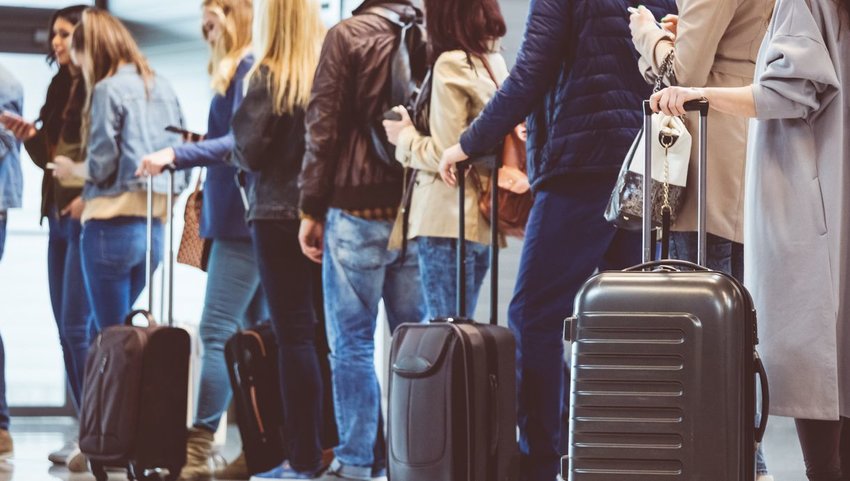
x=577, y=80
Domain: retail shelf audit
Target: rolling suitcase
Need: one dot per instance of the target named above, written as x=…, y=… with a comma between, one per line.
x=252, y=364
x=664, y=367
x=135, y=391
x=452, y=388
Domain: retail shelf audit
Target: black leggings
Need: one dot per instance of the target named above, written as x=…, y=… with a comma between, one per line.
x=826, y=448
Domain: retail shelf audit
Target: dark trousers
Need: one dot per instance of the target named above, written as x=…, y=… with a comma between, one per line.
x=826, y=448
x=567, y=240
x=288, y=280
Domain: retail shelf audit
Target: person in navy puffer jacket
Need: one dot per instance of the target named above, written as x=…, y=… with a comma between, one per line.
x=577, y=81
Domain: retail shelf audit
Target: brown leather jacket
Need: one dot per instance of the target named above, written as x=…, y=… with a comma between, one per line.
x=352, y=81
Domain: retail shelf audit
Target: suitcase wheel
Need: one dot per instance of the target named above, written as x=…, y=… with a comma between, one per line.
x=99, y=471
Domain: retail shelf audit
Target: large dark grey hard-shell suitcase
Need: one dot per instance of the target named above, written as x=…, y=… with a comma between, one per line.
x=664, y=369
x=136, y=386
x=452, y=390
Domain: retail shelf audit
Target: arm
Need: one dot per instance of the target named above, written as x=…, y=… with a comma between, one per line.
x=448, y=117
x=8, y=142
x=331, y=89
x=737, y=101
x=254, y=128
x=538, y=64
x=702, y=24
x=204, y=153
x=103, y=149
x=39, y=149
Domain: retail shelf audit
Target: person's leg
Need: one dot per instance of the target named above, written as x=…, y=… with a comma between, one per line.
x=820, y=442
x=75, y=330
x=481, y=261
x=353, y=270
x=137, y=274
x=233, y=281
x=111, y=251
x=286, y=273
x=4, y=407
x=3, y=215
x=566, y=240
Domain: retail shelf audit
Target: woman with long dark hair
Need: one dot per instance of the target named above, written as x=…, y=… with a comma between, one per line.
x=796, y=218
x=57, y=132
x=467, y=69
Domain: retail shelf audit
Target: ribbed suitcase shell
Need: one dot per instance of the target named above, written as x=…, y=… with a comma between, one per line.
x=663, y=379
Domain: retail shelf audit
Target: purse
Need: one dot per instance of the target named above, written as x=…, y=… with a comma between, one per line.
x=514, y=196
x=671, y=153
x=194, y=250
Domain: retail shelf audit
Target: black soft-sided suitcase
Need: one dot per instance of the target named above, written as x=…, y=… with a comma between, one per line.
x=664, y=369
x=252, y=363
x=136, y=389
x=452, y=390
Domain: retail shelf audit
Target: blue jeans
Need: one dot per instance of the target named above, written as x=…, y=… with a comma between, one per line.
x=68, y=298
x=357, y=272
x=289, y=276
x=567, y=239
x=113, y=259
x=438, y=267
x=4, y=408
x=234, y=300
x=725, y=256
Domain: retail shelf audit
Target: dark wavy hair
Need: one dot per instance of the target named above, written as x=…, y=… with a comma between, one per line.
x=467, y=25
x=63, y=105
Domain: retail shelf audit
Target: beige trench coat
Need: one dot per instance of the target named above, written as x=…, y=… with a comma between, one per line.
x=717, y=45
x=459, y=93
x=797, y=253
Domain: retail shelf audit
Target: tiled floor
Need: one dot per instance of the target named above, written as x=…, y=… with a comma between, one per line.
x=35, y=437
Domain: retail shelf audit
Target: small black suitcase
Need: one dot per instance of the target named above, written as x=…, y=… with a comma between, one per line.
x=136, y=388
x=452, y=389
x=664, y=368
x=252, y=363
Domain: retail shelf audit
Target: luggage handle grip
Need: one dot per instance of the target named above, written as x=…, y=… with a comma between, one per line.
x=700, y=106
x=666, y=263
x=765, y=399
x=128, y=321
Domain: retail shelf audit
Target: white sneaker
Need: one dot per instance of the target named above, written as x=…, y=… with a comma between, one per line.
x=764, y=477
x=61, y=456
x=77, y=462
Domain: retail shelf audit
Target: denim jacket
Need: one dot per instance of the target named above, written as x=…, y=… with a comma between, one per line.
x=127, y=122
x=11, y=179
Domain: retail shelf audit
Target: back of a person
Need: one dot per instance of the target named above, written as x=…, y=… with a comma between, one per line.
x=595, y=106
x=11, y=180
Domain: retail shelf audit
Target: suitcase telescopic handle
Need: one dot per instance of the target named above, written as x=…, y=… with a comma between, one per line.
x=168, y=264
x=702, y=107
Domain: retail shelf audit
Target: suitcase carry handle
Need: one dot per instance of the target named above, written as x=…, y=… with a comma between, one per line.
x=667, y=263
x=128, y=321
x=168, y=263
x=493, y=162
x=702, y=107
x=765, y=398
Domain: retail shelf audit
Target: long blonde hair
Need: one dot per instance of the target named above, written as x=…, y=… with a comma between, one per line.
x=235, y=18
x=102, y=44
x=288, y=37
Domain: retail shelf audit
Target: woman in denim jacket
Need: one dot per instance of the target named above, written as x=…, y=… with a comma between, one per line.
x=234, y=298
x=467, y=68
x=57, y=132
x=269, y=131
x=125, y=115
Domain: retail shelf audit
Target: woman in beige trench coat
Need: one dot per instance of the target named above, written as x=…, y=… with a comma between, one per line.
x=797, y=218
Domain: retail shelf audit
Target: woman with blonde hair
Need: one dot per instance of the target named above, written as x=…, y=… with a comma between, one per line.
x=126, y=110
x=268, y=132
x=234, y=298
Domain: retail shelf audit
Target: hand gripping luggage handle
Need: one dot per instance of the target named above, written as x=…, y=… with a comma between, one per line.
x=702, y=107
x=168, y=264
x=128, y=321
x=765, y=399
x=492, y=161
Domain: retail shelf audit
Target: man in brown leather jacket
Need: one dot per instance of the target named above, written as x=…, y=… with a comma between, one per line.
x=348, y=202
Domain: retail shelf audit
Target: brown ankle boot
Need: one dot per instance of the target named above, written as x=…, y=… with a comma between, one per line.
x=6, y=445
x=235, y=470
x=199, y=446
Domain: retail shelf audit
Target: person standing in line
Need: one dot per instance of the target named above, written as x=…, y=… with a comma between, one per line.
x=796, y=215
x=126, y=111
x=466, y=70
x=268, y=130
x=11, y=193
x=712, y=44
x=348, y=202
x=62, y=206
x=576, y=79
x=234, y=298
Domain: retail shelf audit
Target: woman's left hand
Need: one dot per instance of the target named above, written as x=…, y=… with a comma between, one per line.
x=394, y=127
x=640, y=20
x=671, y=100
x=155, y=163
x=451, y=156
x=63, y=168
